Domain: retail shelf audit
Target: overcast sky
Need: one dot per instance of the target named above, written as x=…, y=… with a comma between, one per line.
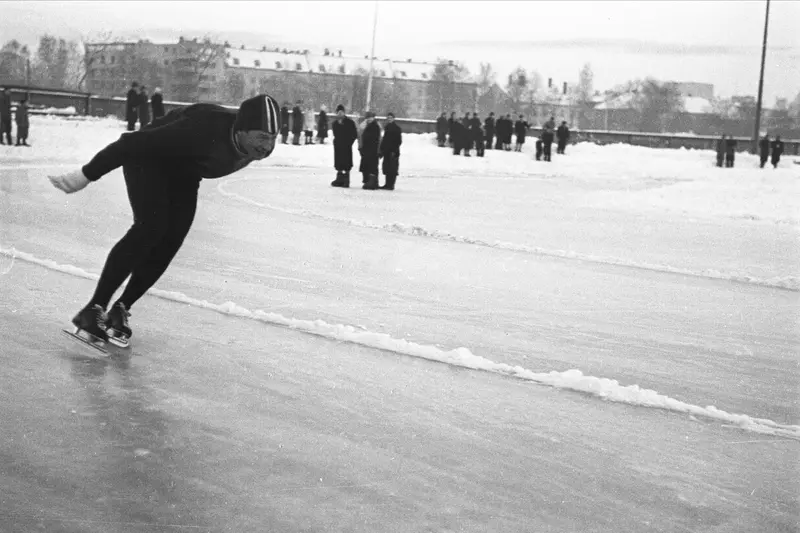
x=425, y=30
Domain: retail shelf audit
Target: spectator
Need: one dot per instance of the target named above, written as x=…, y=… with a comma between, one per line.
x=500, y=131
x=476, y=132
x=562, y=135
x=309, y=120
x=488, y=127
x=5, y=116
x=466, y=134
x=390, y=151
x=763, y=150
x=721, y=144
x=297, y=123
x=144, y=107
x=777, y=151
x=508, y=131
x=548, y=134
x=22, y=123
x=521, y=130
x=285, y=123
x=370, y=152
x=442, y=126
x=157, y=103
x=345, y=134
x=539, y=148
x=730, y=152
x=322, y=125
x=450, y=129
x=132, y=106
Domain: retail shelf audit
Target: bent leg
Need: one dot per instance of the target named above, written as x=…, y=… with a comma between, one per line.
x=147, y=193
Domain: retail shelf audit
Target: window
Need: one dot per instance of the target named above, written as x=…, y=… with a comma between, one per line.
x=341, y=69
x=258, y=63
x=102, y=59
x=424, y=75
x=166, y=62
x=322, y=68
x=235, y=60
x=278, y=65
x=403, y=73
x=298, y=66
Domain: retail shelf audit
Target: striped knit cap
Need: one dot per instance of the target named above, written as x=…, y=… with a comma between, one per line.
x=260, y=113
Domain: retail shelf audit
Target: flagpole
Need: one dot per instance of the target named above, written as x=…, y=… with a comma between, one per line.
x=372, y=56
x=757, y=126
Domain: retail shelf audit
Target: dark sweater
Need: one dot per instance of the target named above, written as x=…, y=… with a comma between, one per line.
x=191, y=142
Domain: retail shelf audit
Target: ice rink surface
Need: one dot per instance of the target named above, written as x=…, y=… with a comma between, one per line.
x=604, y=343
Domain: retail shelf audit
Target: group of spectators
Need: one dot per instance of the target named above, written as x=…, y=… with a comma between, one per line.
x=374, y=144
x=20, y=116
x=138, y=105
x=726, y=151
x=470, y=132
x=302, y=122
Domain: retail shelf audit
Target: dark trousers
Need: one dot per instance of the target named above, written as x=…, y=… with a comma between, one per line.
x=479, y=148
x=163, y=210
x=720, y=158
x=547, y=151
x=562, y=144
x=5, y=128
x=764, y=160
x=22, y=133
x=729, y=159
x=499, y=144
x=488, y=141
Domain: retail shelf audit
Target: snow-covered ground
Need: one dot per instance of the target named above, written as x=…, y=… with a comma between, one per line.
x=661, y=288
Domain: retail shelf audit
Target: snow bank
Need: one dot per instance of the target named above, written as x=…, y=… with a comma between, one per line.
x=573, y=379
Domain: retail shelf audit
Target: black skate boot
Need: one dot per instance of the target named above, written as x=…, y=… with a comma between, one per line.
x=119, y=332
x=90, y=321
x=342, y=180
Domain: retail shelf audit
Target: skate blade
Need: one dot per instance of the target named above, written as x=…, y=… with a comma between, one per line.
x=87, y=339
x=119, y=342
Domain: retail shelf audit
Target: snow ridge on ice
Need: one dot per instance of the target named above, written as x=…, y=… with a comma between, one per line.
x=783, y=282
x=573, y=379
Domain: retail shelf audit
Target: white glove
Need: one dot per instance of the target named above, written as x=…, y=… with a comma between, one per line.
x=69, y=183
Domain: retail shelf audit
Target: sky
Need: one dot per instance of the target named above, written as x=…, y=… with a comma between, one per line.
x=717, y=40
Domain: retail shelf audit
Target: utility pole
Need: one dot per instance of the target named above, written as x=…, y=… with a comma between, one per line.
x=757, y=126
x=372, y=57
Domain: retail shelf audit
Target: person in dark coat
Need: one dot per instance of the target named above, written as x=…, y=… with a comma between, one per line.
x=297, y=123
x=22, y=122
x=132, y=106
x=345, y=134
x=441, y=130
x=322, y=125
x=285, y=123
x=521, y=130
x=450, y=130
x=562, y=136
x=777, y=151
x=476, y=131
x=457, y=134
x=488, y=128
x=157, y=103
x=500, y=129
x=539, y=148
x=5, y=116
x=466, y=134
x=548, y=134
x=763, y=150
x=721, y=144
x=508, y=132
x=730, y=152
x=144, y=107
x=370, y=152
x=163, y=165
x=390, y=151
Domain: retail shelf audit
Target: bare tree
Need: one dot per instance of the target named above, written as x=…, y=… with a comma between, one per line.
x=487, y=78
x=14, y=58
x=189, y=69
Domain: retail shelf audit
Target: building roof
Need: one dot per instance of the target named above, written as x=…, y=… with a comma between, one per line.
x=332, y=64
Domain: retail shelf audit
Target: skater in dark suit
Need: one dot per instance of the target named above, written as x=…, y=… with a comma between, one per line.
x=521, y=130
x=539, y=148
x=390, y=151
x=345, y=134
x=163, y=164
x=777, y=151
x=132, y=106
x=763, y=150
